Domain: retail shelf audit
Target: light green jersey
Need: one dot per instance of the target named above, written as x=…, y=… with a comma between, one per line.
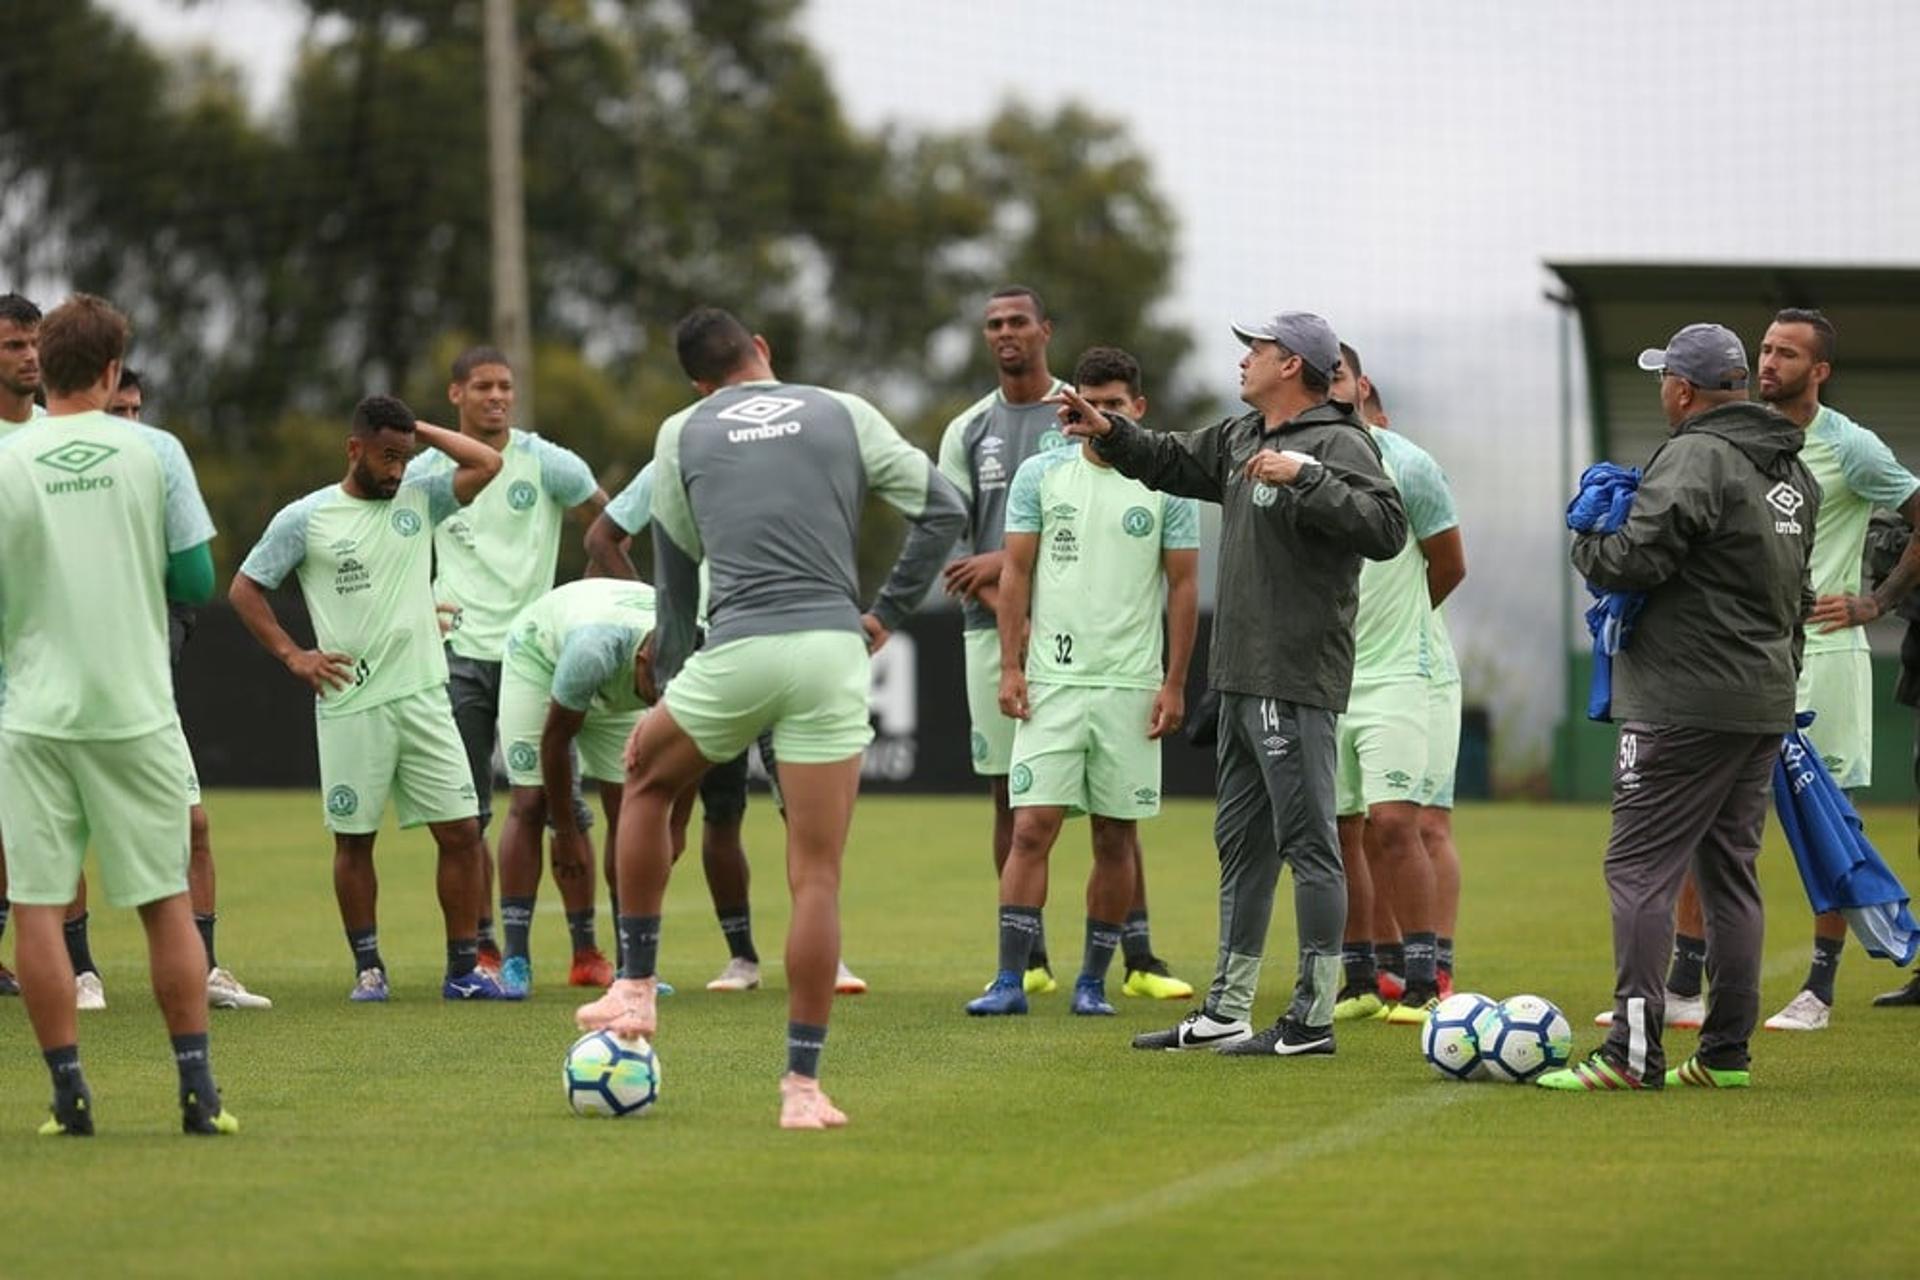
x=1856, y=472
x=1430, y=511
x=579, y=641
x=365, y=568
x=91, y=506
x=497, y=557
x=1096, y=578
x=1393, y=626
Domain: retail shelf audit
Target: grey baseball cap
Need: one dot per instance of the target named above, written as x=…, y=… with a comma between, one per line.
x=1707, y=355
x=1301, y=332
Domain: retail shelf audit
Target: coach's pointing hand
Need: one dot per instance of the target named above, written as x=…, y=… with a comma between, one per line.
x=1077, y=417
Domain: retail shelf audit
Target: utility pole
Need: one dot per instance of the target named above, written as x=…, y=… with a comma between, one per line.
x=512, y=318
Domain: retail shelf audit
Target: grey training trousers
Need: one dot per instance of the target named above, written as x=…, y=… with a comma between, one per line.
x=1275, y=783
x=1686, y=797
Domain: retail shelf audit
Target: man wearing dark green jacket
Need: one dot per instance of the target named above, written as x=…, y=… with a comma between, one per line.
x=1718, y=539
x=1303, y=499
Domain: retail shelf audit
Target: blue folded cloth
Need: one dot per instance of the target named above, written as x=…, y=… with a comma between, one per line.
x=1842, y=871
x=1602, y=505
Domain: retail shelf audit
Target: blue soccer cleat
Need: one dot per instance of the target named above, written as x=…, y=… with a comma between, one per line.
x=371, y=987
x=1004, y=996
x=1090, y=999
x=516, y=977
x=478, y=985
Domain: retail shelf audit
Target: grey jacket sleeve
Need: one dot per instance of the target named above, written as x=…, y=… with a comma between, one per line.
x=1184, y=463
x=1350, y=499
x=906, y=479
x=676, y=556
x=1674, y=502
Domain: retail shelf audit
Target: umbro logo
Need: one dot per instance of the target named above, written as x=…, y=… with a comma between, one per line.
x=761, y=413
x=1276, y=745
x=1786, y=500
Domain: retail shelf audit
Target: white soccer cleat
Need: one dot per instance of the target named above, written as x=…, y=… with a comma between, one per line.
x=1805, y=1012
x=804, y=1106
x=849, y=983
x=1684, y=1013
x=739, y=975
x=88, y=994
x=225, y=992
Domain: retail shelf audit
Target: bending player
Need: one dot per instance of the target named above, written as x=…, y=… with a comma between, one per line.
x=761, y=469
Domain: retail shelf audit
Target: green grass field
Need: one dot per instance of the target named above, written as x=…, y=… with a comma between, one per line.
x=422, y=1139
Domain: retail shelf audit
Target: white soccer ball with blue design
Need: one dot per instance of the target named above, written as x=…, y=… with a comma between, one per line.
x=608, y=1076
x=1523, y=1036
x=1450, y=1039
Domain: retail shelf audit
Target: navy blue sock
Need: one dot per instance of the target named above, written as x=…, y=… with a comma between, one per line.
x=1689, y=962
x=204, y=923
x=580, y=928
x=1102, y=938
x=516, y=920
x=804, y=1043
x=366, y=950
x=79, y=949
x=191, y=1056
x=1357, y=959
x=639, y=945
x=1019, y=929
x=737, y=924
x=1826, y=964
x=463, y=957
x=1136, y=941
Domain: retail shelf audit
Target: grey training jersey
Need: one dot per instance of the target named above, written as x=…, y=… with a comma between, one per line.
x=765, y=481
x=980, y=451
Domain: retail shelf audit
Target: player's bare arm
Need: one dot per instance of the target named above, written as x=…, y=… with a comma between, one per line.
x=475, y=464
x=317, y=668
x=1016, y=594
x=608, y=547
x=1837, y=613
x=1182, y=567
x=1446, y=554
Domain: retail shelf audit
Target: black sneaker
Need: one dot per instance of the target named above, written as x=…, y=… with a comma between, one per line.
x=199, y=1118
x=1907, y=995
x=1198, y=1030
x=72, y=1114
x=1287, y=1038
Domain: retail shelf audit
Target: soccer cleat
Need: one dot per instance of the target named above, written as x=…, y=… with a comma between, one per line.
x=75, y=1120
x=1899, y=996
x=1412, y=1008
x=516, y=977
x=88, y=993
x=1039, y=981
x=1090, y=999
x=1286, y=1038
x=804, y=1106
x=195, y=1118
x=477, y=985
x=9, y=985
x=225, y=992
x=1595, y=1074
x=1696, y=1073
x=627, y=1009
x=488, y=958
x=1805, y=1012
x=371, y=988
x=1004, y=998
x=1683, y=1012
x=848, y=983
x=1358, y=1004
x=1155, y=981
x=739, y=975
x=1200, y=1029
x=590, y=968
x=1391, y=986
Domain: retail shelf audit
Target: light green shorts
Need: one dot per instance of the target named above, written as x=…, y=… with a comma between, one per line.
x=193, y=774
x=408, y=749
x=1837, y=687
x=1383, y=746
x=524, y=702
x=1443, y=745
x=809, y=687
x=1086, y=750
x=992, y=747
x=128, y=797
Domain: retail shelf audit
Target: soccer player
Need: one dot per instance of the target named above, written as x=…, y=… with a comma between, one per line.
x=576, y=676
x=19, y=383
x=723, y=789
x=980, y=451
x=1087, y=553
x=378, y=672
x=1719, y=539
x=224, y=991
x=765, y=481
x=1303, y=500
x=90, y=742
x=492, y=560
x=1384, y=737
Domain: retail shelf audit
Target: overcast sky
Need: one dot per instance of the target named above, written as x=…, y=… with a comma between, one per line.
x=1404, y=169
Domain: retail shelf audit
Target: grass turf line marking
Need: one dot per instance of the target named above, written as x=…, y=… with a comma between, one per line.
x=1050, y=1234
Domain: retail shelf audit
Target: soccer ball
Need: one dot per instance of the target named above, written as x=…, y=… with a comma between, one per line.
x=607, y=1076
x=1523, y=1036
x=1449, y=1039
